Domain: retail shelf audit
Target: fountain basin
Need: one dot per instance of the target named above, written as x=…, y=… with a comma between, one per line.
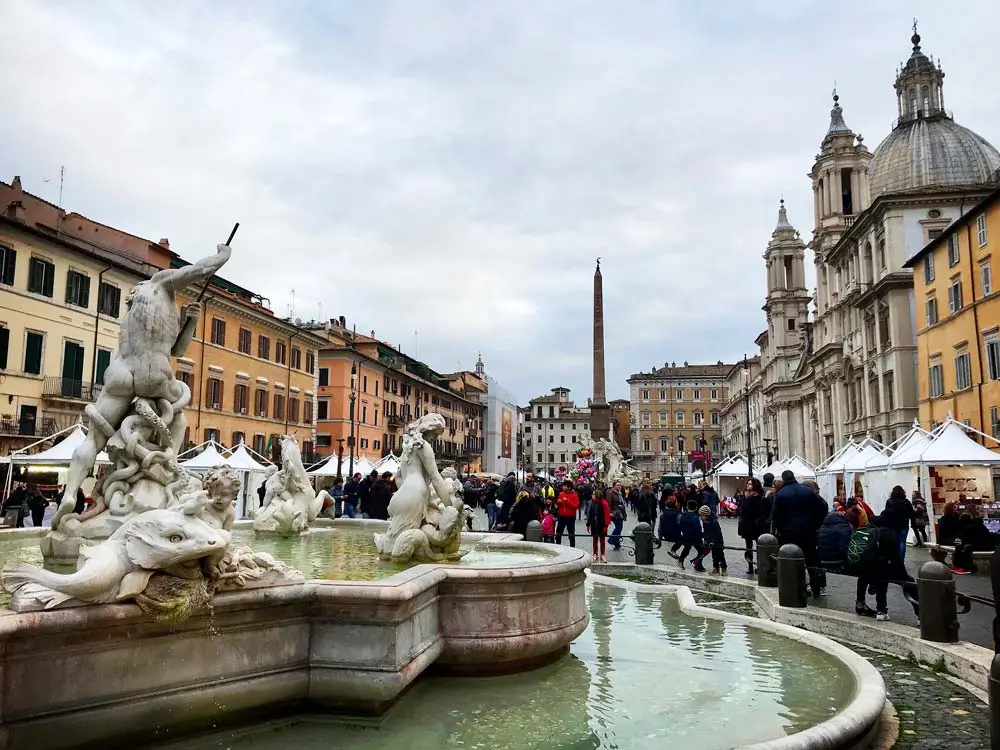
x=106, y=676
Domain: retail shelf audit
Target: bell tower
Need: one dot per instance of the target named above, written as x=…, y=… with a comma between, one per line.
x=787, y=303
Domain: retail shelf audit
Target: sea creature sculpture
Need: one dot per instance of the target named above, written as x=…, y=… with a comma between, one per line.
x=425, y=513
x=290, y=503
x=119, y=568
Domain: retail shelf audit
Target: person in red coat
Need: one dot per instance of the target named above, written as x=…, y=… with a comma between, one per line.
x=566, y=507
x=598, y=521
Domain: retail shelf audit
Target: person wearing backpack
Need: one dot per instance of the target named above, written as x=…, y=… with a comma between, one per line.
x=598, y=520
x=833, y=540
x=796, y=515
x=873, y=555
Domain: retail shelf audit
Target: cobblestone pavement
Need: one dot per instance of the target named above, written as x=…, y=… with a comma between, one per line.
x=933, y=712
x=975, y=627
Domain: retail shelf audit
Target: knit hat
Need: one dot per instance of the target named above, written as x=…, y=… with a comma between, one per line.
x=704, y=511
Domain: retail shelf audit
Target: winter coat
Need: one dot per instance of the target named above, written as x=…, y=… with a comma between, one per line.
x=690, y=527
x=901, y=511
x=919, y=513
x=567, y=504
x=599, y=517
x=670, y=528
x=798, y=511
x=712, y=532
x=889, y=565
x=754, y=516
x=710, y=498
x=525, y=511
x=378, y=500
x=833, y=538
x=548, y=524
x=645, y=507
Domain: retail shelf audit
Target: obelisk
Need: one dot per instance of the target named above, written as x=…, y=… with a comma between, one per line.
x=600, y=412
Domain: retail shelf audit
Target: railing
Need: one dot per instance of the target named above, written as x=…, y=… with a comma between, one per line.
x=11, y=426
x=849, y=219
x=921, y=114
x=76, y=390
x=395, y=422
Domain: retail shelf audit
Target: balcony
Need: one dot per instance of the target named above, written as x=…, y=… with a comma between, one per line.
x=396, y=422
x=69, y=390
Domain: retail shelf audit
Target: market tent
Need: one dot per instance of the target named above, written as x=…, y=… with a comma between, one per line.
x=801, y=468
x=210, y=458
x=389, y=463
x=909, y=449
x=826, y=474
x=240, y=459
x=60, y=453
x=775, y=468
x=729, y=476
x=329, y=467
x=952, y=446
x=253, y=471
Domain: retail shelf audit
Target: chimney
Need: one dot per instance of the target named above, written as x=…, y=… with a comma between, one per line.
x=16, y=183
x=165, y=241
x=15, y=211
x=343, y=322
x=373, y=333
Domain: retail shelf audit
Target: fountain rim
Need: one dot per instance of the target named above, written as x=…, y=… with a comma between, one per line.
x=858, y=720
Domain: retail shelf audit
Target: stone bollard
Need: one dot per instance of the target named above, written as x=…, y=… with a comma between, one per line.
x=642, y=538
x=767, y=571
x=791, y=576
x=994, y=692
x=938, y=608
x=534, y=532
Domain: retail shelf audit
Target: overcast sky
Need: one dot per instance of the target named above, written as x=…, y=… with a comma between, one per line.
x=454, y=168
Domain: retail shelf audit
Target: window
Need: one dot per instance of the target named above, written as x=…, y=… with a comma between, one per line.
x=645, y=444
x=296, y=358
x=103, y=360
x=259, y=443
x=239, y=438
x=716, y=445
x=986, y=277
x=324, y=376
x=562, y=438
x=952, y=250
x=936, y=380
x=963, y=371
x=307, y=411
x=995, y=421
x=41, y=277
x=364, y=383
x=540, y=459
x=8, y=263
x=992, y=342
x=663, y=416
x=697, y=395
x=934, y=233
x=260, y=405
x=931, y=309
x=678, y=395
x=279, y=352
x=322, y=409
x=698, y=417
x=562, y=458
x=246, y=336
x=4, y=346
x=279, y=405
x=213, y=394
x=645, y=395
x=664, y=445
x=679, y=417
x=715, y=394
x=981, y=226
x=552, y=438
x=552, y=458
x=929, y=268
x=241, y=398
x=890, y=391
x=293, y=409
x=881, y=255
x=109, y=299
x=791, y=324
x=34, y=343
x=263, y=347
x=211, y=434
x=77, y=289
x=715, y=418
x=955, y=296
x=187, y=378
x=663, y=395
x=310, y=363
x=645, y=417
x=218, y=331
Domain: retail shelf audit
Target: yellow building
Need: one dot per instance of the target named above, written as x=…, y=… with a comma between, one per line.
x=61, y=300
x=958, y=321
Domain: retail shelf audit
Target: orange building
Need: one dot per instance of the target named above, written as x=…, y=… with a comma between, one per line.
x=390, y=390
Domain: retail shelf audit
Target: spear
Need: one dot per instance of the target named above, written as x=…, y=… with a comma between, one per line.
x=228, y=242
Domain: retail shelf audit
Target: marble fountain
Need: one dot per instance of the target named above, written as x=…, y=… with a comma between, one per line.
x=183, y=627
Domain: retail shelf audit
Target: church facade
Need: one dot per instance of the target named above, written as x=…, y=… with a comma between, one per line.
x=851, y=370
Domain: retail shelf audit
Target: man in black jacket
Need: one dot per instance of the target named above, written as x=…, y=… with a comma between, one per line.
x=364, y=491
x=797, y=514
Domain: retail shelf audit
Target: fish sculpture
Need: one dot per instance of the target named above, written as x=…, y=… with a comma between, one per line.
x=119, y=568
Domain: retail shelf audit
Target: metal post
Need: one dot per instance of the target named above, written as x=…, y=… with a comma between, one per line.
x=340, y=457
x=534, y=532
x=938, y=608
x=746, y=389
x=642, y=538
x=354, y=396
x=791, y=576
x=767, y=571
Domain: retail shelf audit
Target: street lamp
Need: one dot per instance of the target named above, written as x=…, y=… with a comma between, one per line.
x=704, y=460
x=746, y=393
x=354, y=397
x=767, y=448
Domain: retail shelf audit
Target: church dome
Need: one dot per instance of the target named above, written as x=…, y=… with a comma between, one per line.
x=931, y=151
x=926, y=147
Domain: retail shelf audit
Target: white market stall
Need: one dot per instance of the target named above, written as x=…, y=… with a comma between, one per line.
x=56, y=457
x=252, y=474
x=388, y=463
x=731, y=475
x=854, y=471
x=801, y=468
x=210, y=457
x=774, y=469
x=328, y=468
x=830, y=474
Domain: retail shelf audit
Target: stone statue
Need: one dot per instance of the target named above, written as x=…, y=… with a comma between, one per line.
x=425, y=513
x=139, y=414
x=290, y=503
x=157, y=535
x=612, y=464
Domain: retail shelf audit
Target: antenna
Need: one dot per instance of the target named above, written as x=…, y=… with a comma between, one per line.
x=62, y=177
x=291, y=307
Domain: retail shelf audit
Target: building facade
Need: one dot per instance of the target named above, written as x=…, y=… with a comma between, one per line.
x=958, y=322
x=676, y=415
x=621, y=425
x=391, y=389
x=554, y=432
x=853, y=371
x=744, y=405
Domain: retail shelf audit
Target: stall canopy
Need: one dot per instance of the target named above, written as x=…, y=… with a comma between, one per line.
x=839, y=459
x=59, y=454
x=733, y=467
x=210, y=458
x=801, y=468
x=867, y=450
x=909, y=448
x=389, y=463
x=329, y=467
x=240, y=459
x=774, y=469
x=952, y=446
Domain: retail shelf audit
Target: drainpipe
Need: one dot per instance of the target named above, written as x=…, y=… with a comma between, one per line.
x=288, y=378
x=201, y=370
x=97, y=325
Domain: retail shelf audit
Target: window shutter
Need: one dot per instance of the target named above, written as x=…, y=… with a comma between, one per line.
x=4, y=343
x=9, y=264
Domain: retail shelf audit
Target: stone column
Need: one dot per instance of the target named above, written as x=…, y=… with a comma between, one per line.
x=600, y=412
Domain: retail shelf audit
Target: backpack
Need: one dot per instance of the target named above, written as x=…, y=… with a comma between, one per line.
x=862, y=550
